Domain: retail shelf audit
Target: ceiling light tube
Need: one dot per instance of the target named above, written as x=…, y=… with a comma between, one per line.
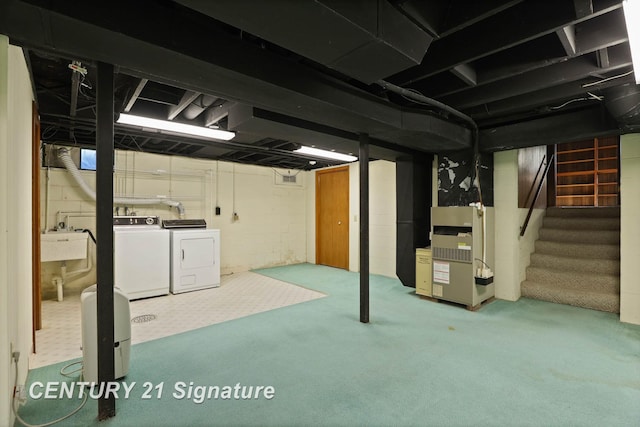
x=632, y=19
x=316, y=152
x=146, y=122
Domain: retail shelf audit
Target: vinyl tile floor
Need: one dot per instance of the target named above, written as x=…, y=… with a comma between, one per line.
x=239, y=295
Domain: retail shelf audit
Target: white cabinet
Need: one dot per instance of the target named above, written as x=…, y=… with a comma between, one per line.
x=195, y=259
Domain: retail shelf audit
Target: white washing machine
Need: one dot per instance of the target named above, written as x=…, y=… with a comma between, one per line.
x=195, y=255
x=141, y=256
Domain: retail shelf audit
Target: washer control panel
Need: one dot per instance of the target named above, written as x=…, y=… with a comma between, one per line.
x=136, y=220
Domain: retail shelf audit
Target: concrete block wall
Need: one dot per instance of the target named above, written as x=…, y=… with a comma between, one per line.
x=270, y=229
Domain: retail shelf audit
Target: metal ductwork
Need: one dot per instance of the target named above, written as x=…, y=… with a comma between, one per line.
x=623, y=102
x=198, y=105
x=367, y=40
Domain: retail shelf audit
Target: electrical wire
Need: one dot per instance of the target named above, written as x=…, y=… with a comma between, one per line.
x=607, y=79
x=584, y=98
x=485, y=264
x=15, y=411
x=68, y=374
x=281, y=174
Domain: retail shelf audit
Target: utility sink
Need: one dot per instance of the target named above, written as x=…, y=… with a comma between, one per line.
x=63, y=246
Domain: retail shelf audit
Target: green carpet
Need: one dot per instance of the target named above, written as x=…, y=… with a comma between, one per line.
x=417, y=363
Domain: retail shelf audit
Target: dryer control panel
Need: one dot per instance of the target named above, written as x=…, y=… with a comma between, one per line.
x=136, y=220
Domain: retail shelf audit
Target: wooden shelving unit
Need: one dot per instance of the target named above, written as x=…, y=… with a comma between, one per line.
x=587, y=173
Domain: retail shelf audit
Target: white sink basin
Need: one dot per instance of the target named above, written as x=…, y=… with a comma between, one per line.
x=63, y=246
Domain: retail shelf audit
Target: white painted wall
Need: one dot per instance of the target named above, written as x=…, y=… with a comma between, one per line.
x=270, y=231
x=15, y=220
x=512, y=252
x=630, y=228
x=382, y=218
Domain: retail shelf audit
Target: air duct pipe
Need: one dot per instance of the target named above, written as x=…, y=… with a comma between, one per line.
x=65, y=158
x=200, y=104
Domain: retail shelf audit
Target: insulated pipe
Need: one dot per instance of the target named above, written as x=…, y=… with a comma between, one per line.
x=65, y=158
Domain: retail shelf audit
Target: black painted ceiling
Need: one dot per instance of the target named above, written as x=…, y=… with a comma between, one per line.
x=286, y=73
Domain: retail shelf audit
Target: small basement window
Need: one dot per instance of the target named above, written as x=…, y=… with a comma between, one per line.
x=87, y=159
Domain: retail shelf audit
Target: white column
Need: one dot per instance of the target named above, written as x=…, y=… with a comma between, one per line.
x=629, y=228
x=15, y=219
x=507, y=227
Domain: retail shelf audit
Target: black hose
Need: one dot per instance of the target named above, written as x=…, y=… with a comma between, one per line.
x=86, y=230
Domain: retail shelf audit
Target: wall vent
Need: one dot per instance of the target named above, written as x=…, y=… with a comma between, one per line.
x=290, y=178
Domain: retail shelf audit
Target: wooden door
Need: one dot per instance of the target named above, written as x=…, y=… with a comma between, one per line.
x=36, y=295
x=332, y=217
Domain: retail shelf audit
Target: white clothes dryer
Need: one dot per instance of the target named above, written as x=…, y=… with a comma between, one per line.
x=195, y=256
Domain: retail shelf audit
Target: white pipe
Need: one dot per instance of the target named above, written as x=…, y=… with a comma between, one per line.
x=87, y=269
x=46, y=203
x=58, y=282
x=63, y=155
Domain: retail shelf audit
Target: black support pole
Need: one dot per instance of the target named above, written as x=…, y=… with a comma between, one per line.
x=364, y=227
x=104, y=228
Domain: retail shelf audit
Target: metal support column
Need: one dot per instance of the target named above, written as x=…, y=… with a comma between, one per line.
x=364, y=227
x=104, y=228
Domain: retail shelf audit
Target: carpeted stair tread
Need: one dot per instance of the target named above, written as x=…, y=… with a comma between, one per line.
x=605, y=237
x=607, y=283
x=581, y=223
x=571, y=263
x=577, y=259
x=576, y=297
x=578, y=250
x=584, y=212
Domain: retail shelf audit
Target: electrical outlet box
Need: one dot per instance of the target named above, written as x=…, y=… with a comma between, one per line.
x=21, y=394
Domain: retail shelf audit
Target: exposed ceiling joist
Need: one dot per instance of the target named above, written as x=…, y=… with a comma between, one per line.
x=603, y=58
x=571, y=70
x=567, y=36
x=135, y=95
x=572, y=126
x=546, y=100
x=521, y=23
x=583, y=8
x=187, y=98
x=466, y=73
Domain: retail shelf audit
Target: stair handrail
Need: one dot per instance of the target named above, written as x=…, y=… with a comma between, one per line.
x=523, y=229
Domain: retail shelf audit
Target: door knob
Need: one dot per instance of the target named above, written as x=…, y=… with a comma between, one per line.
x=339, y=222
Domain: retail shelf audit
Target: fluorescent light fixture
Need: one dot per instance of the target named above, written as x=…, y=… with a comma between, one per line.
x=326, y=154
x=146, y=122
x=632, y=19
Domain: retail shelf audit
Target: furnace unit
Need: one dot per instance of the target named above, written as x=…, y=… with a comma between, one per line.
x=463, y=254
